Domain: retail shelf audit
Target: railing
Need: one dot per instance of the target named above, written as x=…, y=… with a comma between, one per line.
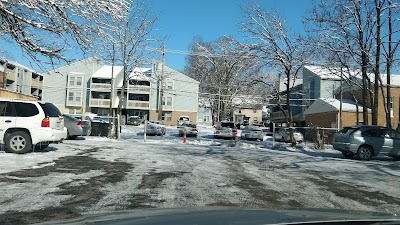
x=105, y=87
x=103, y=103
x=138, y=89
x=278, y=115
x=132, y=104
x=36, y=84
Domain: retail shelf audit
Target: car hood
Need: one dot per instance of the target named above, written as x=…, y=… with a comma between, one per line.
x=224, y=215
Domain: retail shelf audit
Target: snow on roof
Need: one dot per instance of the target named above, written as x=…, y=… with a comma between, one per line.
x=331, y=73
x=394, y=79
x=140, y=74
x=323, y=105
x=282, y=85
x=105, y=72
x=1, y=68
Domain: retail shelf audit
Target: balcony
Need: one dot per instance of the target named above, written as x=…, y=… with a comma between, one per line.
x=132, y=104
x=10, y=75
x=278, y=115
x=101, y=103
x=100, y=87
x=36, y=84
x=139, y=89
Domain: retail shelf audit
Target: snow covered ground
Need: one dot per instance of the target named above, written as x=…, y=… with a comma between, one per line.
x=95, y=174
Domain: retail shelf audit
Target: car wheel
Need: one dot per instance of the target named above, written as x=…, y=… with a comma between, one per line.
x=41, y=146
x=365, y=152
x=18, y=142
x=348, y=155
x=73, y=137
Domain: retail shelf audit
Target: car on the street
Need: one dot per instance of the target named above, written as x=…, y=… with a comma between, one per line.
x=283, y=134
x=182, y=119
x=155, y=128
x=367, y=141
x=135, y=120
x=225, y=130
x=190, y=129
x=28, y=125
x=76, y=127
x=252, y=133
x=266, y=131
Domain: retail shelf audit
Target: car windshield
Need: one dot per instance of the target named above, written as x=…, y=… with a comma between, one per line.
x=188, y=105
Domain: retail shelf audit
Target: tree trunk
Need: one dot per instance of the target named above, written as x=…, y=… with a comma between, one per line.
x=377, y=62
x=389, y=67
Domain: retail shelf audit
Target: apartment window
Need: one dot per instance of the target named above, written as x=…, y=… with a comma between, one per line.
x=206, y=118
x=169, y=86
x=75, y=80
x=166, y=116
x=167, y=101
x=74, y=97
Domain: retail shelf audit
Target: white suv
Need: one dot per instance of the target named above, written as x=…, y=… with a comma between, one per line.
x=27, y=125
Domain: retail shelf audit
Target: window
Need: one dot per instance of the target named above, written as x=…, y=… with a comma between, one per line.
x=50, y=110
x=74, y=97
x=75, y=81
x=169, y=86
x=206, y=118
x=374, y=133
x=5, y=109
x=71, y=96
x=23, y=109
x=166, y=116
x=167, y=101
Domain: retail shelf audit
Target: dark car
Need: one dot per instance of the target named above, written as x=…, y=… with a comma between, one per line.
x=367, y=141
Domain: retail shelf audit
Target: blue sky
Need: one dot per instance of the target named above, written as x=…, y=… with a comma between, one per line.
x=181, y=20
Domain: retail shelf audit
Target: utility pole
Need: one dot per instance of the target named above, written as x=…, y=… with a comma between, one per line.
x=161, y=86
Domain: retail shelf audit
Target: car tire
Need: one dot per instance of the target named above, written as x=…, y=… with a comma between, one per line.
x=365, y=152
x=348, y=155
x=41, y=146
x=18, y=142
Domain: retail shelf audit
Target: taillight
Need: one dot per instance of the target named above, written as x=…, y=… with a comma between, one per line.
x=80, y=123
x=46, y=122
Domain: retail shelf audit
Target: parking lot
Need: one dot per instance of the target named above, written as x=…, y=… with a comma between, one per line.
x=95, y=174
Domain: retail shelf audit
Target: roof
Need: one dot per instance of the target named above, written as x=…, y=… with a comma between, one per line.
x=1, y=68
x=394, y=79
x=139, y=73
x=105, y=72
x=331, y=73
x=324, y=105
x=282, y=85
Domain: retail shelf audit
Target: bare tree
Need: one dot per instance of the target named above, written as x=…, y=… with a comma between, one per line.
x=51, y=28
x=223, y=70
x=348, y=27
x=128, y=43
x=277, y=47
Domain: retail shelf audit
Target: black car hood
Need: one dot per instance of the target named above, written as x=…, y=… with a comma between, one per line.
x=224, y=215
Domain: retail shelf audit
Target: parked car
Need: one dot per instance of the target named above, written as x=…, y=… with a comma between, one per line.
x=283, y=134
x=155, y=128
x=252, y=133
x=135, y=120
x=266, y=131
x=190, y=128
x=27, y=125
x=367, y=141
x=182, y=119
x=76, y=127
x=226, y=130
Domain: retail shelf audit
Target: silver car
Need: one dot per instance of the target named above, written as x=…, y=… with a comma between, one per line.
x=252, y=133
x=366, y=141
x=155, y=128
x=76, y=127
x=283, y=134
x=190, y=128
x=225, y=130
